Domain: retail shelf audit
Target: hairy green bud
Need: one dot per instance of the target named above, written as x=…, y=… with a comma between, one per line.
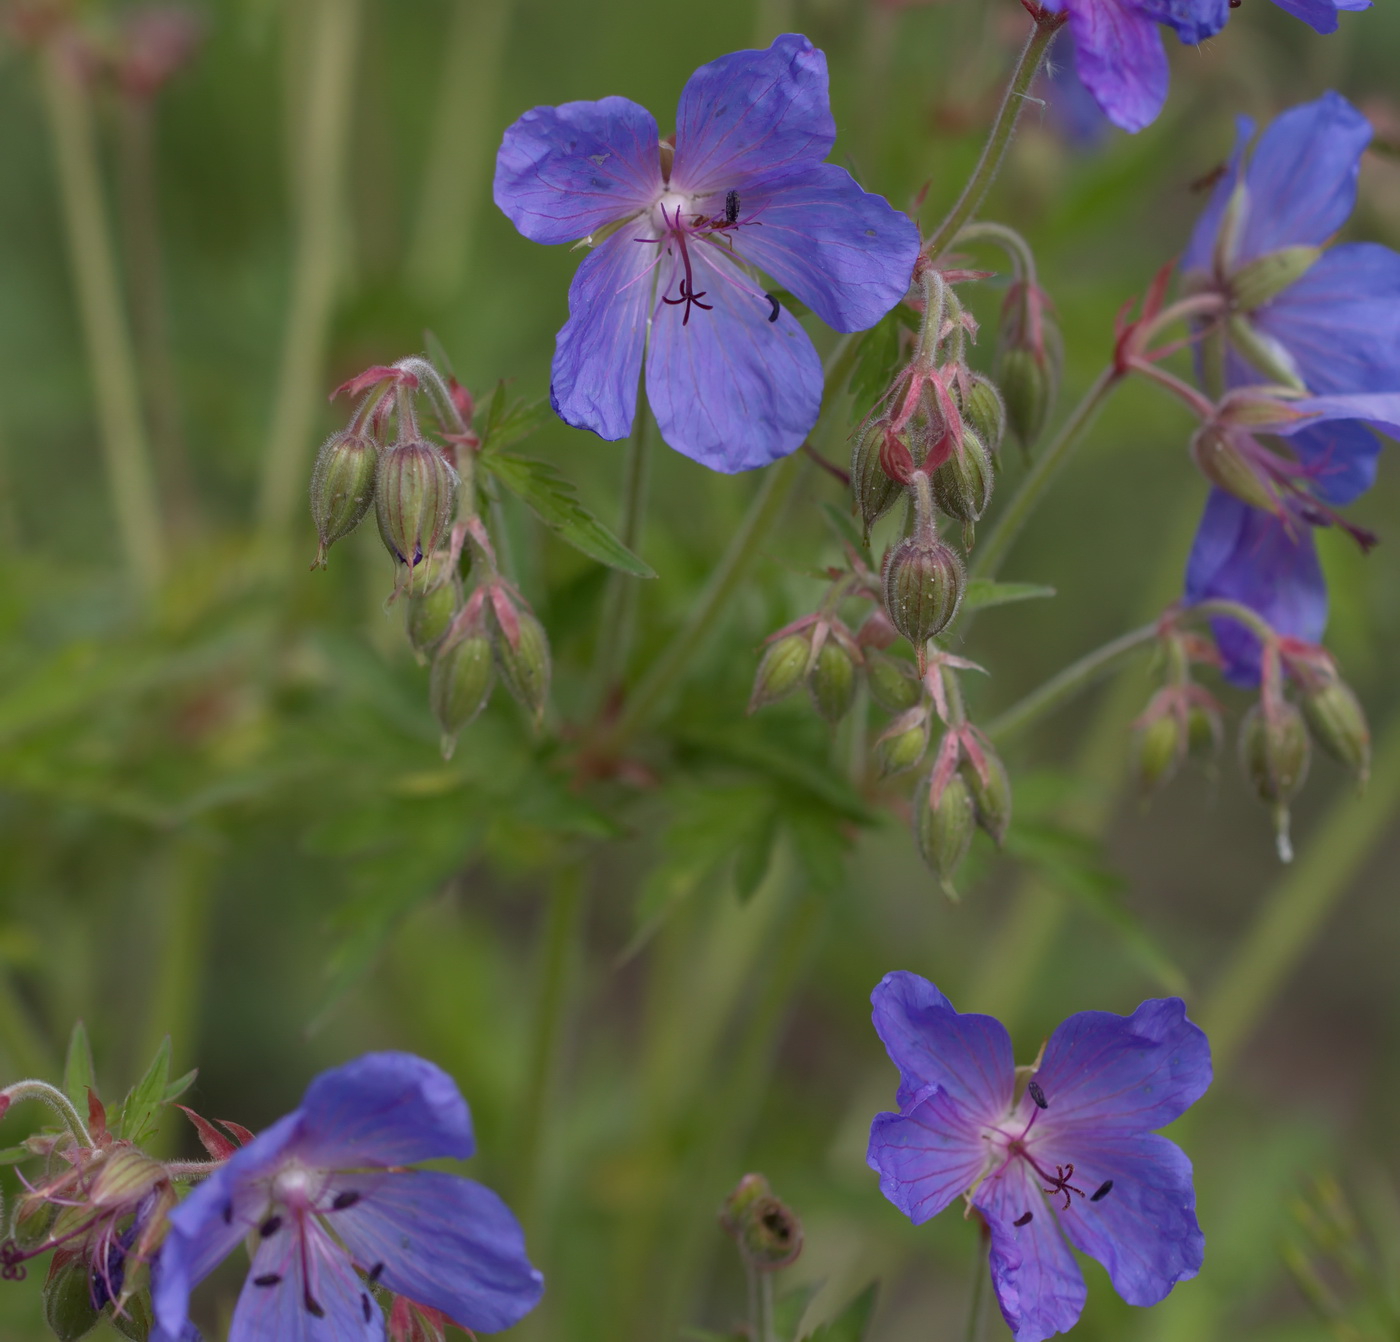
x=832, y=681
x=459, y=685
x=962, y=485
x=875, y=493
x=342, y=487
x=780, y=670
x=524, y=664
x=985, y=411
x=414, y=492
x=1338, y=724
x=902, y=745
x=1159, y=746
x=893, y=684
x=992, y=798
x=1028, y=392
x=924, y=582
x=435, y=597
x=944, y=830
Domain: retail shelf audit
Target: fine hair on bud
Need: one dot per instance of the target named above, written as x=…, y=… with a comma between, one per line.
x=991, y=797
x=524, y=662
x=985, y=412
x=831, y=681
x=1158, y=748
x=962, y=485
x=924, y=582
x=875, y=492
x=414, y=494
x=943, y=827
x=434, y=600
x=780, y=670
x=1338, y=724
x=342, y=487
x=893, y=683
x=903, y=743
x=459, y=684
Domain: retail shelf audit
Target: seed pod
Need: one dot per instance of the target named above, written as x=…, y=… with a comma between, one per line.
x=985, y=411
x=342, y=487
x=1274, y=752
x=962, y=485
x=414, y=491
x=1158, y=748
x=832, y=681
x=525, y=666
x=780, y=670
x=924, y=581
x=902, y=745
x=992, y=799
x=459, y=685
x=944, y=831
x=893, y=684
x=1339, y=725
x=875, y=493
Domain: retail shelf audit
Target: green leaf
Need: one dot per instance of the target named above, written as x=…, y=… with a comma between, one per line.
x=877, y=362
x=180, y=1085
x=754, y=855
x=506, y=424
x=983, y=592
x=851, y=1323
x=553, y=498
x=78, y=1073
x=843, y=524
x=146, y=1097
x=789, y=1308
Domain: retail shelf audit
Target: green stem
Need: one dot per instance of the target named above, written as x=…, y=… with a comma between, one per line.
x=459, y=150
x=1065, y=684
x=981, y=1279
x=321, y=151
x=1000, y=137
x=618, y=621
x=55, y=1099
x=116, y=390
x=766, y=1330
x=1295, y=908
x=992, y=551
x=1010, y=242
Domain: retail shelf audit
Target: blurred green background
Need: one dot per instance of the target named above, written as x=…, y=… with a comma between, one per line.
x=223, y=814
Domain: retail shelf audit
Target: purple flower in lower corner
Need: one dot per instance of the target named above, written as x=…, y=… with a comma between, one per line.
x=679, y=229
x=333, y=1216
x=1071, y=1159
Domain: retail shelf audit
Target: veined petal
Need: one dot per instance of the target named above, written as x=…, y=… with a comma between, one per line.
x=847, y=254
x=563, y=172
x=1123, y=1074
x=598, y=354
x=445, y=1242
x=1143, y=1229
x=927, y=1157
x=933, y=1045
x=1192, y=20
x=1302, y=175
x=752, y=112
x=1038, y=1284
x=1200, y=251
x=1320, y=15
x=729, y=387
x=1249, y=556
x=1119, y=56
x=1340, y=458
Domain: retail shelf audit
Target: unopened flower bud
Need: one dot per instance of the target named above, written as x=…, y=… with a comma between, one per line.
x=68, y=1305
x=875, y=493
x=1029, y=379
x=435, y=598
x=1205, y=733
x=902, y=744
x=893, y=684
x=1159, y=746
x=985, y=411
x=832, y=681
x=414, y=491
x=342, y=487
x=524, y=663
x=924, y=581
x=944, y=829
x=990, y=796
x=460, y=684
x=780, y=670
x=962, y=485
x=1274, y=752
x=1338, y=722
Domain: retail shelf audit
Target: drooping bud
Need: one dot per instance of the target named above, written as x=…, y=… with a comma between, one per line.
x=1158, y=748
x=1205, y=733
x=985, y=411
x=1221, y=455
x=924, y=582
x=1028, y=389
x=342, y=487
x=875, y=492
x=524, y=663
x=768, y=1233
x=1274, y=753
x=902, y=744
x=943, y=827
x=990, y=796
x=1338, y=722
x=893, y=684
x=832, y=681
x=780, y=670
x=68, y=1305
x=435, y=598
x=962, y=485
x=459, y=684
x=414, y=492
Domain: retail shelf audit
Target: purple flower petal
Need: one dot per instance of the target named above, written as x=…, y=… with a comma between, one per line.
x=1248, y=556
x=1340, y=459
x=1200, y=251
x=1302, y=176
x=445, y=1242
x=598, y=353
x=563, y=172
x=1320, y=14
x=967, y=1056
x=1119, y=57
x=1193, y=20
x=731, y=388
x=752, y=113
x=1123, y=1074
x=847, y=254
x=1143, y=1228
x=927, y=1157
x=1038, y=1284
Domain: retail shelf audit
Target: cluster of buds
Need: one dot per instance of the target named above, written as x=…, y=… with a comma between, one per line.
x=1182, y=719
x=463, y=615
x=818, y=651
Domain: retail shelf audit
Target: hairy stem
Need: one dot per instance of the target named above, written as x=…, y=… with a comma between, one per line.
x=619, y=615
x=55, y=1099
x=981, y=1278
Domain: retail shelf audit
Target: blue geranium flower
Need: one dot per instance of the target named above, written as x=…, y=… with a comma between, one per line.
x=1324, y=320
x=1072, y=1157
x=679, y=227
x=324, y=1196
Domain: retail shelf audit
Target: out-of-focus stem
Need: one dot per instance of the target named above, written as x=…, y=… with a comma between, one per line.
x=321, y=151
x=459, y=150
x=1295, y=908
x=981, y=1278
x=999, y=138
x=116, y=391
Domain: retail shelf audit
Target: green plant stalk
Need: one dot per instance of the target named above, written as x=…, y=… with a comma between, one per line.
x=55, y=1099
x=322, y=149
x=981, y=1278
x=130, y=478
x=998, y=140
x=617, y=623
x=1296, y=906
x=462, y=138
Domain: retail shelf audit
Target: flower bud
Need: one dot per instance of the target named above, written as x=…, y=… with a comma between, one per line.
x=68, y=1307
x=832, y=681
x=1274, y=752
x=780, y=671
x=435, y=597
x=902, y=744
x=342, y=488
x=1159, y=745
x=924, y=583
x=1338, y=723
x=991, y=798
x=1204, y=732
x=944, y=829
x=962, y=485
x=460, y=684
x=524, y=664
x=893, y=684
x=1028, y=391
x=414, y=491
x=875, y=493
x=985, y=411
